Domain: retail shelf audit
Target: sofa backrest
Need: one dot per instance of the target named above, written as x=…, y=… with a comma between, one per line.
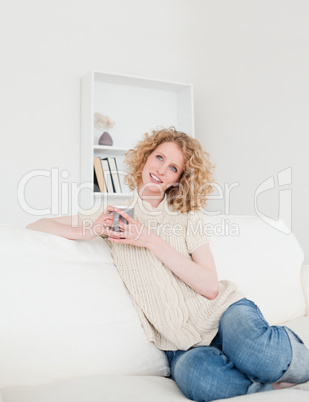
x=263, y=261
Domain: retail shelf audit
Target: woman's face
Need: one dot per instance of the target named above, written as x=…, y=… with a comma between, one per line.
x=163, y=168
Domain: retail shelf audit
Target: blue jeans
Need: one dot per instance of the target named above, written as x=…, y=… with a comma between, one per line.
x=247, y=355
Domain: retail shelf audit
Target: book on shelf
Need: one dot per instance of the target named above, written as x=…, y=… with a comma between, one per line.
x=115, y=174
x=106, y=177
x=96, y=187
x=99, y=179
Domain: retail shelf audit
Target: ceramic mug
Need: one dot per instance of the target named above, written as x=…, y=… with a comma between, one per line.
x=129, y=211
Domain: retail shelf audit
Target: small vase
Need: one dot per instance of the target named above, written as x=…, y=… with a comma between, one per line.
x=105, y=139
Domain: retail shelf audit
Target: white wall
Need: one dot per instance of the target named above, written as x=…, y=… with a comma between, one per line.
x=248, y=61
x=252, y=102
x=46, y=50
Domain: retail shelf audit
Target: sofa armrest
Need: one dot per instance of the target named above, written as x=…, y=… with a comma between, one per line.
x=305, y=284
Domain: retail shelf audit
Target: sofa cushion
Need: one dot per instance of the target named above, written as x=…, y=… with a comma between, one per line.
x=263, y=261
x=111, y=388
x=66, y=313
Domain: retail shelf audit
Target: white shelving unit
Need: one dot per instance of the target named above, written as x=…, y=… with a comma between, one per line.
x=137, y=105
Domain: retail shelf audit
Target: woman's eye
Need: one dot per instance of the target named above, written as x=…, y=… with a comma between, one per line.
x=160, y=158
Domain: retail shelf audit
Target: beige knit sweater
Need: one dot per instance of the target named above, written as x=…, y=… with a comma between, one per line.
x=173, y=315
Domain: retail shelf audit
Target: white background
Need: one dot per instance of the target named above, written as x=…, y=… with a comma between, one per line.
x=248, y=62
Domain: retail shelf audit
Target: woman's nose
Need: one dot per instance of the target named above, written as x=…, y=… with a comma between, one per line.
x=161, y=171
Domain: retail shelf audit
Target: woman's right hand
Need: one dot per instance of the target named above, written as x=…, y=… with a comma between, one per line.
x=99, y=226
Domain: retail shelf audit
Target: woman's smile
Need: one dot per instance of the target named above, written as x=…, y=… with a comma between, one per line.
x=155, y=178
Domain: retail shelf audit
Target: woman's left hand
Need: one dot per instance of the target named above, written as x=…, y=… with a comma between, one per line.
x=133, y=233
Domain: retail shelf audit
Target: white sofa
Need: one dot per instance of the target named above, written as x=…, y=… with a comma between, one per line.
x=69, y=332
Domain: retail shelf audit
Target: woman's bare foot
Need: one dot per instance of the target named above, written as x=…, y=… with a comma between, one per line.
x=281, y=385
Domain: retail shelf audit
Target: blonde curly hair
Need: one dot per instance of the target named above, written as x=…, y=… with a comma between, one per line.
x=195, y=181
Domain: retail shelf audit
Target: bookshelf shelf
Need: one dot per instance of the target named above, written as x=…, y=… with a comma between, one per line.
x=137, y=105
x=110, y=149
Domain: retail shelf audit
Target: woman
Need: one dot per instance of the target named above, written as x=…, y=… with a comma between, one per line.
x=217, y=342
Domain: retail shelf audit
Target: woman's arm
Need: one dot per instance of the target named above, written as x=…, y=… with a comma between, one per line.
x=199, y=273
x=59, y=227
x=64, y=227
